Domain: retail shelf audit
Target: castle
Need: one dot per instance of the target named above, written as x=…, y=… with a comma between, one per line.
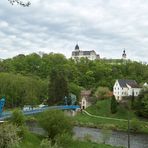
x=91, y=54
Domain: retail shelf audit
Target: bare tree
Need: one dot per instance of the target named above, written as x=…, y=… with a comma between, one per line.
x=19, y=2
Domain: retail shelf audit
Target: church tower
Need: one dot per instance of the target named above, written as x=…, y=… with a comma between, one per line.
x=124, y=55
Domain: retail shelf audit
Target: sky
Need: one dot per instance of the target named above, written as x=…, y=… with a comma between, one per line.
x=106, y=26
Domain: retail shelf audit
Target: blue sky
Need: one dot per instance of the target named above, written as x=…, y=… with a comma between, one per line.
x=106, y=26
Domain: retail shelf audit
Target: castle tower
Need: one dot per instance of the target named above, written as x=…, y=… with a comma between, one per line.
x=77, y=48
x=124, y=55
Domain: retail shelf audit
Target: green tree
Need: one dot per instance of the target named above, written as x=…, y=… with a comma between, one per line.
x=113, y=105
x=58, y=85
x=54, y=122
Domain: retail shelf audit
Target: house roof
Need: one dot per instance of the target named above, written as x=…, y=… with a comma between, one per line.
x=85, y=93
x=132, y=83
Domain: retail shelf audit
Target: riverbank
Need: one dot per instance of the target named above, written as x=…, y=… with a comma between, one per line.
x=100, y=117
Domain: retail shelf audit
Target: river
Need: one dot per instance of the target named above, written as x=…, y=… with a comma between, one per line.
x=116, y=138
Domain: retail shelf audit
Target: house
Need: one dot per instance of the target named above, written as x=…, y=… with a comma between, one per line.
x=85, y=99
x=91, y=54
x=124, y=88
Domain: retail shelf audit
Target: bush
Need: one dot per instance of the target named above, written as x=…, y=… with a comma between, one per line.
x=18, y=118
x=55, y=123
x=102, y=93
x=8, y=136
x=64, y=140
x=48, y=144
x=135, y=125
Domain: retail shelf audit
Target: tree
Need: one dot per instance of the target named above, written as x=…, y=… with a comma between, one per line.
x=102, y=93
x=113, y=105
x=27, y=4
x=8, y=136
x=54, y=122
x=58, y=85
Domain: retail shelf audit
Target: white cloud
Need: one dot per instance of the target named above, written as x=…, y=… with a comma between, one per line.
x=106, y=26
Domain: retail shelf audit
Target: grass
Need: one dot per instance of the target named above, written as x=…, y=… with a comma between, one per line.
x=102, y=108
x=84, y=144
x=31, y=141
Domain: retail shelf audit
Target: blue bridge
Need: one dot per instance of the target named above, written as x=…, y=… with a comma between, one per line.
x=5, y=115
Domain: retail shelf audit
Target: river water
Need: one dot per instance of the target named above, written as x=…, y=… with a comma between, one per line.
x=116, y=138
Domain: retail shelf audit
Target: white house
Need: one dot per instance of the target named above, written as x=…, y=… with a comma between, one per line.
x=123, y=88
x=91, y=54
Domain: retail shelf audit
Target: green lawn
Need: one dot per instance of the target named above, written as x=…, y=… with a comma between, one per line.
x=102, y=108
x=31, y=141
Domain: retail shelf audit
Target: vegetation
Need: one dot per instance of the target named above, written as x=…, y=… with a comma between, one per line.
x=8, y=136
x=102, y=93
x=31, y=79
x=54, y=122
x=113, y=105
x=102, y=109
x=18, y=118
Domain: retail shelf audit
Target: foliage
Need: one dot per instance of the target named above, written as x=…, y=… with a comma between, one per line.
x=20, y=3
x=141, y=103
x=58, y=85
x=102, y=93
x=30, y=141
x=113, y=105
x=21, y=90
x=18, y=118
x=54, y=122
x=64, y=139
x=135, y=125
x=8, y=136
x=75, y=89
x=24, y=77
x=45, y=143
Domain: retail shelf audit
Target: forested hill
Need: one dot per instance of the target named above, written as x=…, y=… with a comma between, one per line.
x=83, y=73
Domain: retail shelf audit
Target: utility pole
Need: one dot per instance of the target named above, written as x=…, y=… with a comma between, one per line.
x=128, y=130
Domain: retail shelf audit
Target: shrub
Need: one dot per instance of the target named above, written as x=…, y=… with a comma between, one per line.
x=18, y=118
x=48, y=144
x=64, y=140
x=8, y=136
x=55, y=123
x=135, y=125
